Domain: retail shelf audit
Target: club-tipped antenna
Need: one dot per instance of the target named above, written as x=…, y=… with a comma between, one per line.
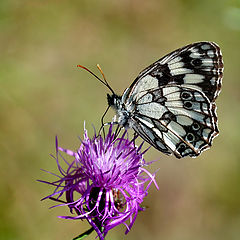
x=102, y=81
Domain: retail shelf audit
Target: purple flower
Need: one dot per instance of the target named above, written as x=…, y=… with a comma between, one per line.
x=105, y=182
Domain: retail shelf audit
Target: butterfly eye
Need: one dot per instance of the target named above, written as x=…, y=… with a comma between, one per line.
x=190, y=137
x=188, y=105
x=195, y=126
x=186, y=96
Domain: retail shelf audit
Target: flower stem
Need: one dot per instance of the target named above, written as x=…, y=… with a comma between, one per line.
x=85, y=234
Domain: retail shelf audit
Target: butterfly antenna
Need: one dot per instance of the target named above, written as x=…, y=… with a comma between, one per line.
x=103, y=82
x=101, y=71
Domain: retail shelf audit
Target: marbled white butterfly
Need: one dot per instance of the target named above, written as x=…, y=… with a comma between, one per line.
x=171, y=104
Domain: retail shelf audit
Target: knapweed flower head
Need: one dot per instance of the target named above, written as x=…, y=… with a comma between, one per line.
x=105, y=182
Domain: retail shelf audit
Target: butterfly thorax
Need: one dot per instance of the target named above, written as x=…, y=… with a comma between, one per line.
x=121, y=109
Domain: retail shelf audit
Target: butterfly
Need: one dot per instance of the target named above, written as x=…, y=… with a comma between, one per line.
x=171, y=103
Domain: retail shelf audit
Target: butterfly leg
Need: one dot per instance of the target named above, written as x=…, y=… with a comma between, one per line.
x=106, y=124
x=117, y=131
x=102, y=122
x=135, y=136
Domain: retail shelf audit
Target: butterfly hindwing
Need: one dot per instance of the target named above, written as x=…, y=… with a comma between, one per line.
x=175, y=119
x=144, y=127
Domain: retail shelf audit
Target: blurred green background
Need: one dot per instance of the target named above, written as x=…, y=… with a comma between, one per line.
x=43, y=94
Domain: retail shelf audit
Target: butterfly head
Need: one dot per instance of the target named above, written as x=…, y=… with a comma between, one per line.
x=114, y=100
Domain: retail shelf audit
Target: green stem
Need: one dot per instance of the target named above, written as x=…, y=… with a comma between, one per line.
x=85, y=234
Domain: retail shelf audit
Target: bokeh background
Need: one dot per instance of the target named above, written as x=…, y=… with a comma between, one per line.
x=43, y=94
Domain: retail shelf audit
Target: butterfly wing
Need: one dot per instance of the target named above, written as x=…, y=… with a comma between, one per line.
x=198, y=65
x=175, y=119
x=174, y=100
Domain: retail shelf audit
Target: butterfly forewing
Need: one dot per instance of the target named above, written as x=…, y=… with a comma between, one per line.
x=197, y=65
x=171, y=104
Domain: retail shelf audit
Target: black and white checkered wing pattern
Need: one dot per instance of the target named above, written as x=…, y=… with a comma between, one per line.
x=174, y=100
x=175, y=119
x=198, y=65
